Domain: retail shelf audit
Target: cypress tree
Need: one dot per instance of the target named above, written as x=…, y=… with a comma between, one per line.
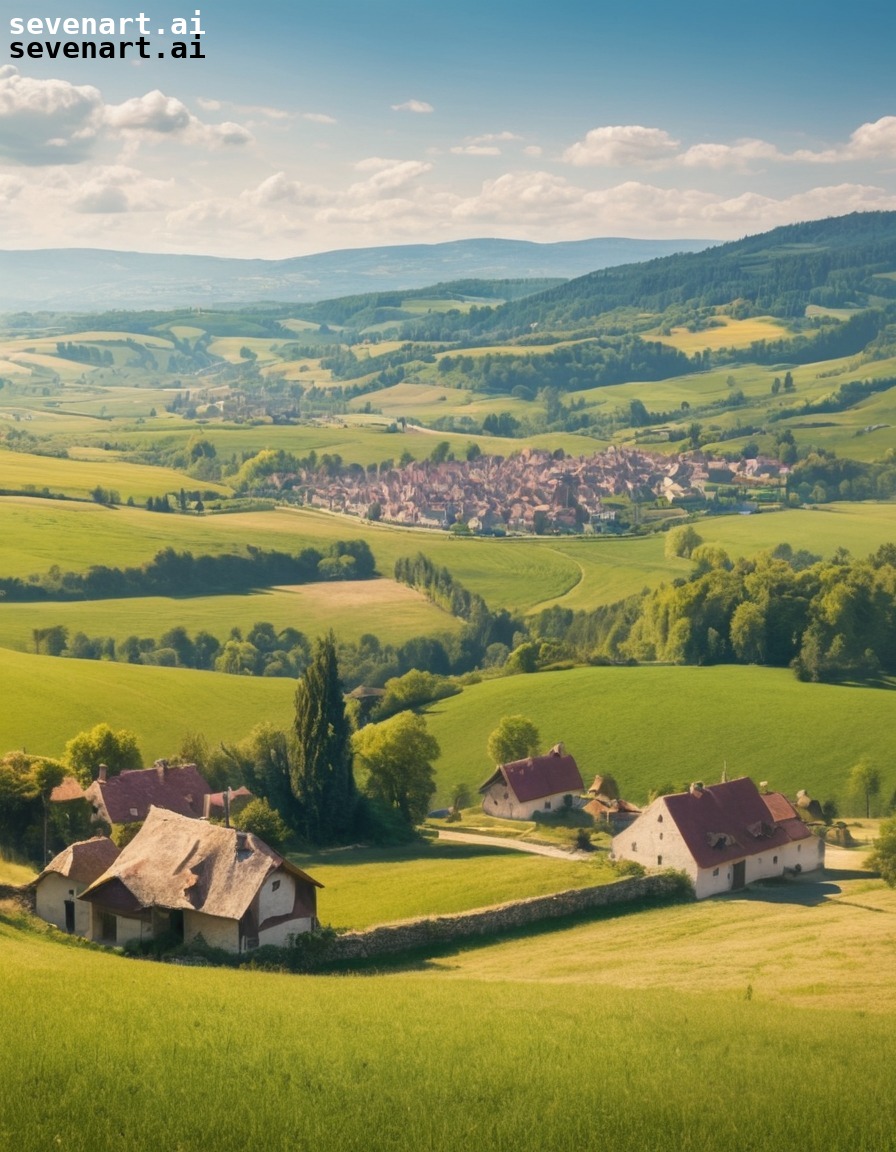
x=321, y=773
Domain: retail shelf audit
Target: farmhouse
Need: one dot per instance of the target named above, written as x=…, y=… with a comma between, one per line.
x=191, y=878
x=517, y=790
x=63, y=880
x=723, y=835
x=128, y=797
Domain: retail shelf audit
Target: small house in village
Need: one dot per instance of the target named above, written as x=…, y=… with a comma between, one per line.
x=606, y=806
x=191, y=878
x=724, y=836
x=57, y=888
x=516, y=791
x=128, y=797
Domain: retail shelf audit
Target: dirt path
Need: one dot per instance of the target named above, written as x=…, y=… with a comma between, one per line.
x=517, y=845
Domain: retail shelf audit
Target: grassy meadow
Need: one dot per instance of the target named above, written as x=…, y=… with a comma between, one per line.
x=652, y=725
x=689, y=996
x=394, y=611
x=367, y=886
x=47, y=700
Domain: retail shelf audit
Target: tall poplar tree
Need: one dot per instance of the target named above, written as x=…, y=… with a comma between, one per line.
x=321, y=773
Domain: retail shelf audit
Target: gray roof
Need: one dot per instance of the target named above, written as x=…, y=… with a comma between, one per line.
x=177, y=862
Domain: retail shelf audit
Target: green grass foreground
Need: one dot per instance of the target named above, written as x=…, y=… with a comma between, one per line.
x=117, y=1054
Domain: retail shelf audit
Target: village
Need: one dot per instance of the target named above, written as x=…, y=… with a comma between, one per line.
x=181, y=872
x=531, y=491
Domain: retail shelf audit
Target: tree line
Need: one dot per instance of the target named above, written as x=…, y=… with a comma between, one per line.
x=173, y=573
x=831, y=620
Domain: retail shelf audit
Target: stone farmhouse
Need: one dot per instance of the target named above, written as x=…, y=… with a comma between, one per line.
x=188, y=877
x=724, y=836
x=516, y=791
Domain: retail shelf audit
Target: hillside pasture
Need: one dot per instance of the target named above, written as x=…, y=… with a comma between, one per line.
x=393, y=611
x=654, y=725
x=47, y=700
x=21, y=471
x=725, y=333
x=522, y=574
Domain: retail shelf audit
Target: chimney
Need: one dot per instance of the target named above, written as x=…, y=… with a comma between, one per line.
x=226, y=796
x=696, y=789
x=103, y=772
x=161, y=766
x=206, y=805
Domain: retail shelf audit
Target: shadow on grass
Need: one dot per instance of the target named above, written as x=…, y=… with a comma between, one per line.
x=806, y=893
x=426, y=850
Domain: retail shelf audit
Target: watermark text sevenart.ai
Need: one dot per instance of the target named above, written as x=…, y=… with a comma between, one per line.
x=107, y=37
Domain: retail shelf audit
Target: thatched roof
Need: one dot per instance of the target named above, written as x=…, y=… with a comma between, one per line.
x=85, y=861
x=178, y=862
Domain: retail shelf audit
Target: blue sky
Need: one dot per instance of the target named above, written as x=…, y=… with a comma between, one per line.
x=312, y=126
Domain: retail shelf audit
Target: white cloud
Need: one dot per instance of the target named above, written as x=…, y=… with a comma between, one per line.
x=159, y=115
x=46, y=121
x=319, y=118
x=413, y=106
x=280, y=189
x=494, y=138
x=476, y=150
x=620, y=145
x=388, y=179
x=741, y=155
x=533, y=150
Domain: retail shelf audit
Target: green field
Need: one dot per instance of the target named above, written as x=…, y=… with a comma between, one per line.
x=48, y=700
x=651, y=725
x=352, y=608
x=520, y=574
x=444, y=1051
x=20, y=471
x=370, y=886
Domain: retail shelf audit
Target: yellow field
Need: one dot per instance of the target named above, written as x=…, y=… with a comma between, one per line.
x=731, y=334
x=79, y=477
x=48, y=343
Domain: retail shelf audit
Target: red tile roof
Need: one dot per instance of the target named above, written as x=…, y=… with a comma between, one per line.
x=128, y=797
x=69, y=789
x=728, y=821
x=539, y=776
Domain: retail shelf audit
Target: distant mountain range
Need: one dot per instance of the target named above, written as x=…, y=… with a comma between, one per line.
x=91, y=279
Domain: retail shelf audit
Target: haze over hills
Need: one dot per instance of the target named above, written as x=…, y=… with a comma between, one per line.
x=86, y=279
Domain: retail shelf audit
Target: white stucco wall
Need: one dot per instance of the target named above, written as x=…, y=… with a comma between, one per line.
x=127, y=928
x=500, y=801
x=279, y=934
x=216, y=931
x=50, y=897
x=277, y=896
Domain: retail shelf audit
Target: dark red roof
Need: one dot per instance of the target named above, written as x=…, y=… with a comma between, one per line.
x=728, y=821
x=539, y=776
x=128, y=797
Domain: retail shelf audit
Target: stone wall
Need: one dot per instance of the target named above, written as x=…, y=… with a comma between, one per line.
x=24, y=895
x=413, y=935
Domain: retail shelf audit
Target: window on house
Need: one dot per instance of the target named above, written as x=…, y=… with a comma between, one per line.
x=799, y=847
x=715, y=871
x=659, y=859
x=659, y=818
x=774, y=859
x=634, y=846
x=275, y=885
x=547, y=805
x=661, y=835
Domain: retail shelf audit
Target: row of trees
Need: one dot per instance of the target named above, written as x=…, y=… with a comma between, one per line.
x=172, y=573
x=829, y=620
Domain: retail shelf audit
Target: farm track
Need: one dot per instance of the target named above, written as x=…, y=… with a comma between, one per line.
x=518, y=845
